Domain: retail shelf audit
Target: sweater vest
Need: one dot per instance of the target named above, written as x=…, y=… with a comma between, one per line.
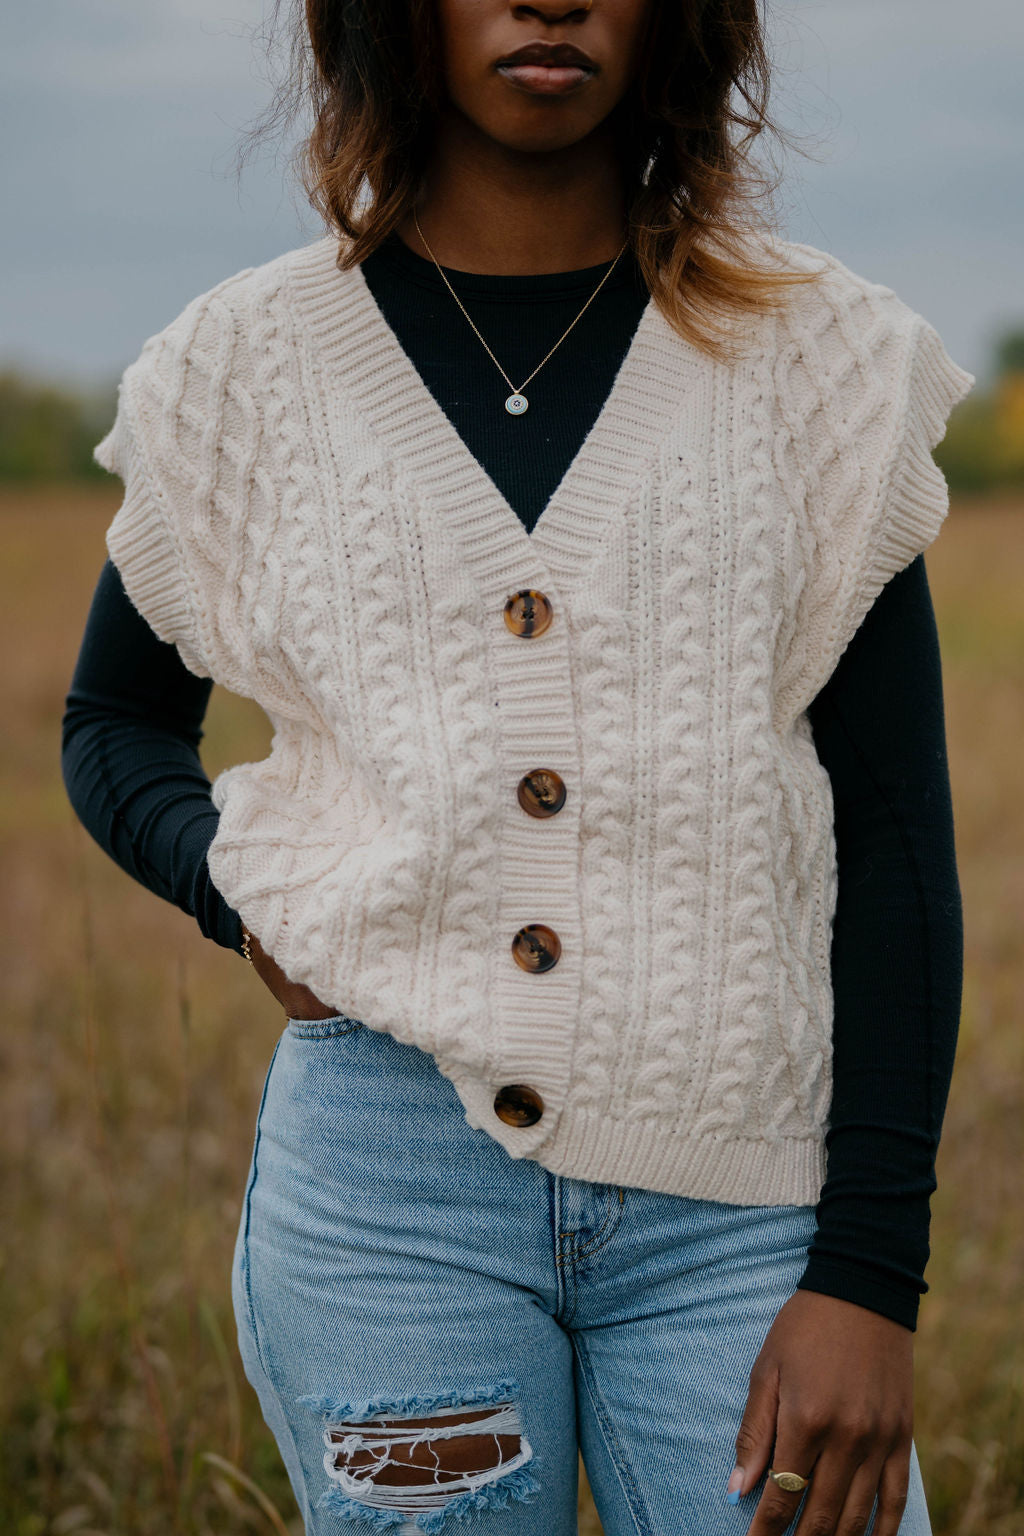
x=304, y=523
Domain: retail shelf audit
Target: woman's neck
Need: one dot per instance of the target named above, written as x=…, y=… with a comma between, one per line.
x=487, y=208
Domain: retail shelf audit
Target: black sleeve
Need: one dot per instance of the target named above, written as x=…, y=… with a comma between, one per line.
x=897, y=952
x=130, y=759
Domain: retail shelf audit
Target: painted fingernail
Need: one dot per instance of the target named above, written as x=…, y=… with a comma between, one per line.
x=735, y=1484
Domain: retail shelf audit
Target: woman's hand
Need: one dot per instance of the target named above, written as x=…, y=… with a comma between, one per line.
x=831, y=1397
x=297, y=1001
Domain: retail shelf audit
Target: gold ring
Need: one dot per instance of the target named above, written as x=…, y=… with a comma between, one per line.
x=791, y=1482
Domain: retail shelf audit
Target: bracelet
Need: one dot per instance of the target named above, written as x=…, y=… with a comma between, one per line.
x=246, y=944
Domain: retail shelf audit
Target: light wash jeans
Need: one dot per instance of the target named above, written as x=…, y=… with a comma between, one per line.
x=393, y=1261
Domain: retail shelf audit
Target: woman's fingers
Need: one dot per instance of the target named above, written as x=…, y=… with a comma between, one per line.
x=892, y=1493
x=797, y=1451
x=887, y=1482
x=756, y=1432
x=840, y=1495
x=843, y=1503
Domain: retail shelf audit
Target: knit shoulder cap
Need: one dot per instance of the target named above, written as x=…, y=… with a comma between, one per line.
x=302, y=521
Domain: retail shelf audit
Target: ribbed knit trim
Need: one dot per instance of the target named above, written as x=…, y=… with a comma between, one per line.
x=142, y=541
x=594, y=1146
x=918, y=498
x=864, y=1286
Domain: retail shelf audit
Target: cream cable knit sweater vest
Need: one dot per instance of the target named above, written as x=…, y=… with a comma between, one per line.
x=304, y=523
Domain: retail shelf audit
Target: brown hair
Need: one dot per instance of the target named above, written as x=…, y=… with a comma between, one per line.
x=370, y=71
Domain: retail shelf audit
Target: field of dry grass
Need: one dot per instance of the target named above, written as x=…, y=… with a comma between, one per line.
x=133, y=1055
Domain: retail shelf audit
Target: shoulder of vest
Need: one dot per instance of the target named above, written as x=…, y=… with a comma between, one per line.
x=213, y=334
x=854, y=310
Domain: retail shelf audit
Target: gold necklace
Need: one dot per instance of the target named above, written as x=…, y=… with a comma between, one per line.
x=517, y=402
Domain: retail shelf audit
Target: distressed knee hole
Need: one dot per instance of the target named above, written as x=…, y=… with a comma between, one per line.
x=444, y=1452
x=424, y=1460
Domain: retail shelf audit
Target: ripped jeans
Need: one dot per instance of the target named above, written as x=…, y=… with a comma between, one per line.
x=437, y=1330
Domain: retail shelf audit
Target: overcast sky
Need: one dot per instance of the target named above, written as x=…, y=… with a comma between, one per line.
x=121, y=121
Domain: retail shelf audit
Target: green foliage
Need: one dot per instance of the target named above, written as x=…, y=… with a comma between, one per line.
x=983, y=449
x=966, y=454
x=48, y=431
x=1010, y=353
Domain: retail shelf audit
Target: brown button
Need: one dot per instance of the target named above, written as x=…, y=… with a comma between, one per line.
x=536, y=948
x=528, y=613
x=518, y=1105
x=541, y=792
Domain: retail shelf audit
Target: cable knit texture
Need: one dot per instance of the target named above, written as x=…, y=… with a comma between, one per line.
x=305, y=524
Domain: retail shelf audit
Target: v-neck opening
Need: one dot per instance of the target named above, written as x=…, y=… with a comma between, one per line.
x=355, y=340
x=443, y=421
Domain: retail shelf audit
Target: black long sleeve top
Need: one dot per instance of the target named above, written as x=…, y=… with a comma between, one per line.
x=133, y=725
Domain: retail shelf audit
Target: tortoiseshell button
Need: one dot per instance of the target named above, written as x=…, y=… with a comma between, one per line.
x=527, y=613
x=541, y=792
x=517, y=1104
x=536, y=947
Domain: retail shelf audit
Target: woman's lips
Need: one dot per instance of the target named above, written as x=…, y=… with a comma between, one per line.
x=545, y=79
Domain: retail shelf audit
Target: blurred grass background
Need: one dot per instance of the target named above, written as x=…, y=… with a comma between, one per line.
x=133, y=1053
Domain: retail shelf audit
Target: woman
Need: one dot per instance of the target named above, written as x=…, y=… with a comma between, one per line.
x=569, y=527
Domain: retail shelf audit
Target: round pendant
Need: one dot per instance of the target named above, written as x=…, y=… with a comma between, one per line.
x=516, y=404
